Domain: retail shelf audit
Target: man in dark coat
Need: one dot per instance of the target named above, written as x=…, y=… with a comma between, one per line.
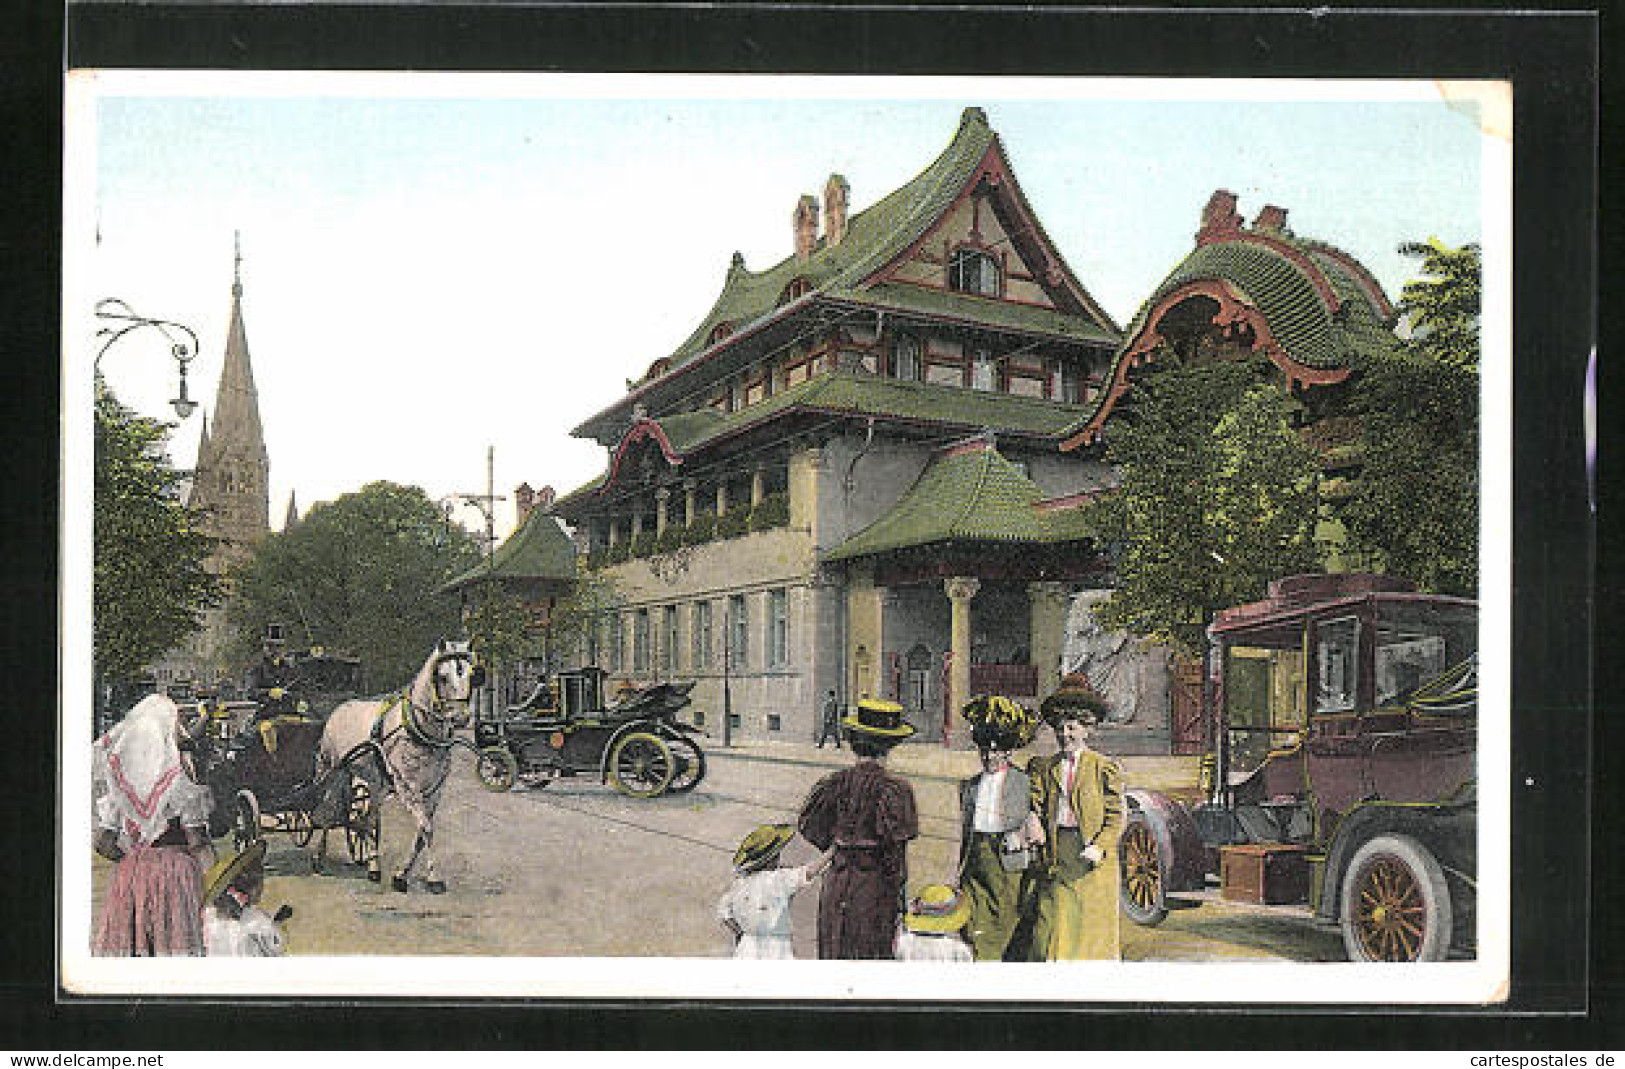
x=868, y=816
x=832, y=722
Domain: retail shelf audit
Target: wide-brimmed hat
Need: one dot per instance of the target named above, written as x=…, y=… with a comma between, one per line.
x=224, y=872
x=878, y=719
x=1077, y=699
x=938, y=908
x=761, y=846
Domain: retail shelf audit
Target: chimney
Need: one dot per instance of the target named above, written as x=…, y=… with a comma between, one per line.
x=524, y=499
x=1272, y=219
x=836, y=192
x=1219, y=218
x=805, y=221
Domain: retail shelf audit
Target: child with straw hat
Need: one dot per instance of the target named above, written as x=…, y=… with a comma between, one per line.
x=756, y=909
x=233, y=923
x=931, y=928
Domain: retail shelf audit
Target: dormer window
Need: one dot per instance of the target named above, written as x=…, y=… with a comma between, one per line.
x=906, y=358
x=974, y=271
x=798, y=287
x=983, y=372
x=720, y=331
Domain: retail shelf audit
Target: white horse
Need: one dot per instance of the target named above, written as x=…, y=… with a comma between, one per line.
x=403, y=743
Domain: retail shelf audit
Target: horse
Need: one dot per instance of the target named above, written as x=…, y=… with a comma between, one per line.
x=410, y=739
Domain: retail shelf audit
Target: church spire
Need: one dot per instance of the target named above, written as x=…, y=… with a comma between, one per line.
x=237, y=428
x=293, y=512
x=237, y=265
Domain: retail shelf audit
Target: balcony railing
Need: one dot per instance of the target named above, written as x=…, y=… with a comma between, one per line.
x=1010, y=680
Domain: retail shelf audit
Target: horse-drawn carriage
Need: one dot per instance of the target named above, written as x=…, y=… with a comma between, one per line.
x=636, y=744
x=258, y=757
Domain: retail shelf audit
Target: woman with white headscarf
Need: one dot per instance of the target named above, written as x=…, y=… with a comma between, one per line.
x=152, y=819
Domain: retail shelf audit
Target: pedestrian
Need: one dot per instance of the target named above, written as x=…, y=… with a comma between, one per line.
x=932, y=927
x=756, y=909
x=832, y=722
x=1076, y=821
x=152, y=821
x=867, y=815
x=234, y=925
x=993, y=809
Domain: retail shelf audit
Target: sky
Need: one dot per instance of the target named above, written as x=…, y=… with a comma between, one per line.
x=435, y=266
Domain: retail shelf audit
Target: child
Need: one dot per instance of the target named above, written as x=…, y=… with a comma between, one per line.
x=931, y=927
x=233, y=923
x=756, y=909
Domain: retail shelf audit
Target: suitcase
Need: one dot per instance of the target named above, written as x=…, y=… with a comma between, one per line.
x=1265, y=874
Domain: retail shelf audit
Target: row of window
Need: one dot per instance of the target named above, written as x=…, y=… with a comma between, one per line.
x=657, y=644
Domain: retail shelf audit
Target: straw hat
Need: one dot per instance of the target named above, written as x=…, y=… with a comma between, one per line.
x=877, y=719
x=761, y=846
x=226, y=870
x=938, y=908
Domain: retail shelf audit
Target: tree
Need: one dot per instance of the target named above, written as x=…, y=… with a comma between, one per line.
x=1414, y=505
x=358, y=575
x=1217, y=496
x=577, y=615
x=150, y=582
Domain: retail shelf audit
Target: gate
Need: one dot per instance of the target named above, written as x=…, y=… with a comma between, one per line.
x=1187, y=734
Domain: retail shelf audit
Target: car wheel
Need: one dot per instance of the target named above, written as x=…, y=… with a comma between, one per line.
x=1395, y=903
x=1144, y=898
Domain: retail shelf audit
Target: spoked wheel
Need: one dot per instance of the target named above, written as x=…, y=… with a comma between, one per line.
x=641, y=765
x=1396, y=903
x=361, y=823
x=690, y=764
x=300, y=830
x=245, y=824
x=1143, y=897
x=496, y=768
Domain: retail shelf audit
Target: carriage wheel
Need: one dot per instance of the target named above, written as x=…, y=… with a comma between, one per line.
x=300, y=830
x=690, y=764
x=641, y=765
x=497, y=768
x=1142, y=895
x=1396, y=903
x=361, y=824
x=245, y=825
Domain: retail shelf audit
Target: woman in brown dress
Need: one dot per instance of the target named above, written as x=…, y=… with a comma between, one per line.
x=867, y=815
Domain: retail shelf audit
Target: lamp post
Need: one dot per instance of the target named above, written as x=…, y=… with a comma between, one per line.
x=123, y=319
x=486, y=503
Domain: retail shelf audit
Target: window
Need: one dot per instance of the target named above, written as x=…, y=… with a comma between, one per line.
x=640, y=640
x=1337, y=654
x=593, y=644
x=1071, y=386
x=738, y=632
x=701, y=628
x=670, y=649
x=617, y=643
x=774, y=723
x=971, y=271
x=906, y=358
x=982, y=374
x=778, y=629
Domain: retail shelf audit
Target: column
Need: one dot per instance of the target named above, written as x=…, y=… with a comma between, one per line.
x=865, y=616
x=689, y=502
x=722, y=497
x=614, y=532
x=1047, y=608
x=960, y=590
x=662, y=499
x=758, y=484
x=806, y=465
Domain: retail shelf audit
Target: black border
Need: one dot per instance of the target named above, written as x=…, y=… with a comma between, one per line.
x=1552, y=60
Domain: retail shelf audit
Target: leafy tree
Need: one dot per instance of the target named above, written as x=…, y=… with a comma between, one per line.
x=501, y=626
x=150, y=582
x=358, y=575
x=579, y=612
x=1415, y=504
x=1443, y=305
x=1217, y=495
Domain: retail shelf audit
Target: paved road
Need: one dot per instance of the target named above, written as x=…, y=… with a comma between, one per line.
x=578, y=870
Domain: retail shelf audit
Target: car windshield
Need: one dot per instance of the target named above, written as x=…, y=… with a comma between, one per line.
x=1419, y=642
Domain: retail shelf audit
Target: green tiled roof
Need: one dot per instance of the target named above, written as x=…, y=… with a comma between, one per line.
x=965, y=495
x=983, y=310
x=858, y=393
x=538, y=550
x=874, y=237
x=1307, y=330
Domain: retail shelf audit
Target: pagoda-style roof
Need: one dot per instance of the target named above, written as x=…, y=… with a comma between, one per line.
x=537, y=552
x=855, y=272
x=969, y=492
x=1310, y=308
x=852, y=394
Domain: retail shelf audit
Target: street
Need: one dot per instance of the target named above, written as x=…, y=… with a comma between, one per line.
x=576, y=869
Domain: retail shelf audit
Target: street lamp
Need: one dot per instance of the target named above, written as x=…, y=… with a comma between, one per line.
x=126, y=319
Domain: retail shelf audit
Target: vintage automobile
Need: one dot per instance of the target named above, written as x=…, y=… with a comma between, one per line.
x=1341, y=775
x=636, y=743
